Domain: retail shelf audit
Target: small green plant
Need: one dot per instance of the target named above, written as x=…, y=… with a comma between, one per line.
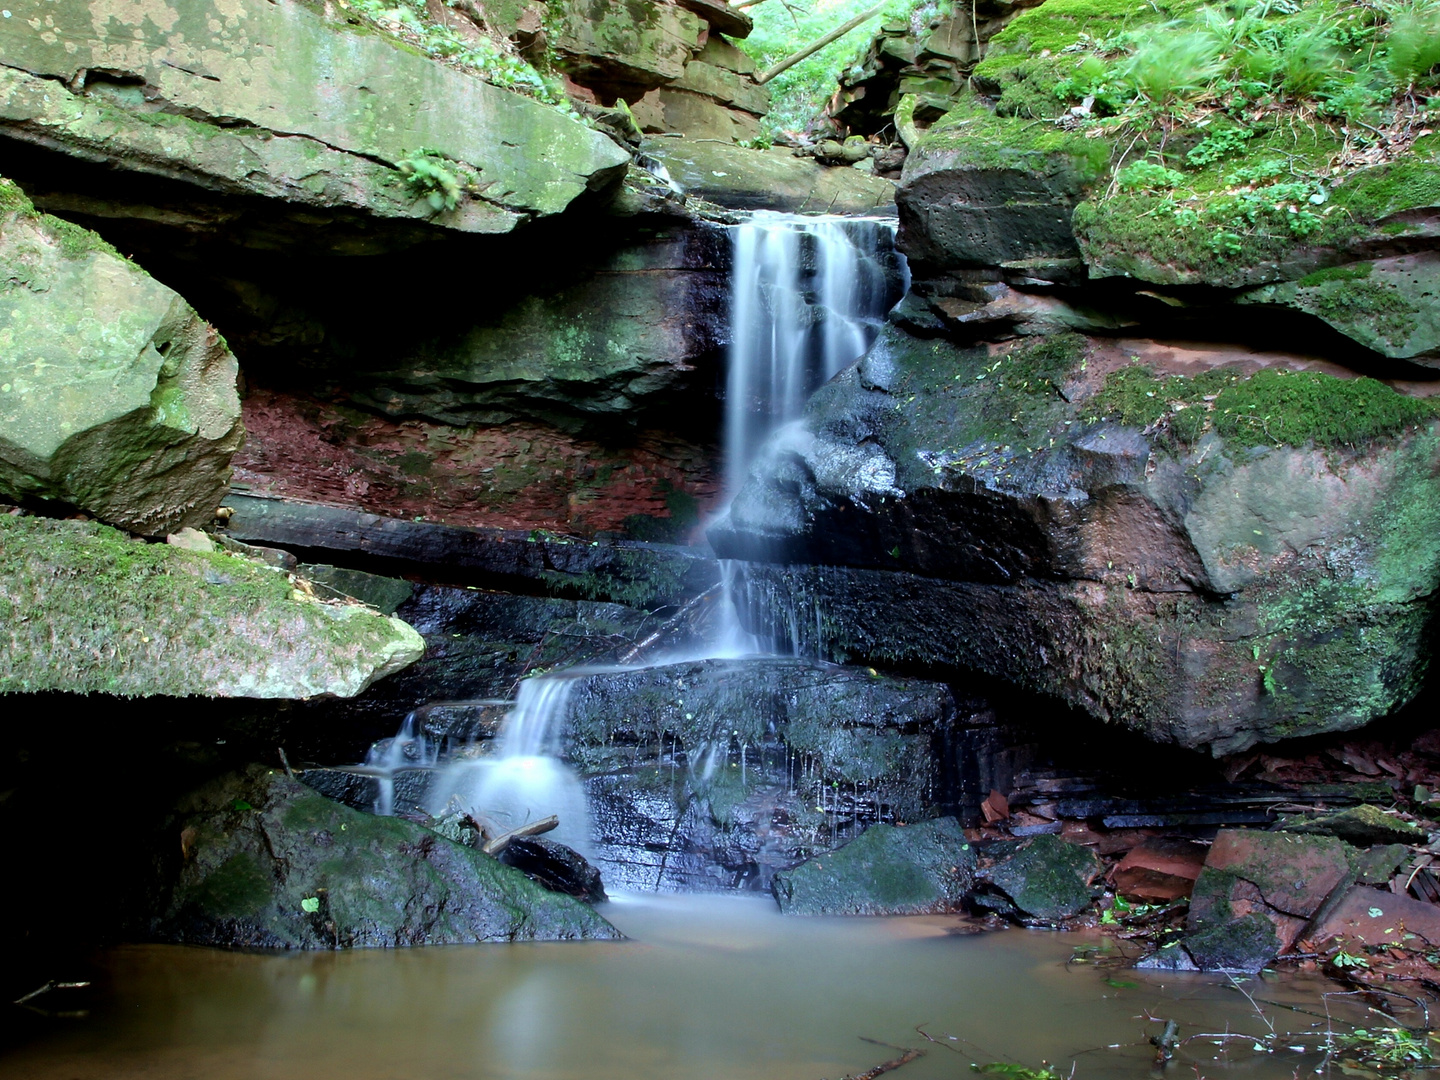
x=1171, y=67
x=1388, y=1047
x=1343, y=960
x=1148, y=176
x=427, y=176
x=1412, y=48
x=1217, y=145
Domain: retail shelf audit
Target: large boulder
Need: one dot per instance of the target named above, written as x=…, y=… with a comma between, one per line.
x=1215, y=548
x=87, y=609
x=775, y=179
x=115, y=396
x=256, y=859
x=286, y=102
x=921, y=869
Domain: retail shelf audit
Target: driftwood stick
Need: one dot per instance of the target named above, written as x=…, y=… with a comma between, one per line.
x=670, y=623
x=888, y=1066
x=814, y=47
x=535, y=828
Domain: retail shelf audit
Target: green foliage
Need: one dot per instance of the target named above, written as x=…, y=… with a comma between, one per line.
x=1147, y=175
x=1389, y=1047
x=1272, y=407
x=1173, y=65
x=799, y=94
x=1412, y=48
x=1218, y=144
x=481, y=56
x=426, y=174
x=1014, y=1072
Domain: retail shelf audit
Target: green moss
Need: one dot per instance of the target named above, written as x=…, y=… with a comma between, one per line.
x=1370, y=304
x=238, y=888
x=980, y=139
x=1060, y=23
x=1272, y=407
x=109, y=614
x=1345, y=272
x=75, y=241
x=1410, y=183
x=12, y=199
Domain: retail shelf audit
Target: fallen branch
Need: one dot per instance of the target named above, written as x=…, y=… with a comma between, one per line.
x=671, y=623
x=810, y=50
x=535, y=828
x=887, y=1066
x=52, y=985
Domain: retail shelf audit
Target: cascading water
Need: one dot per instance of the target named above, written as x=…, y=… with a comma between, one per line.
x=808, y=297
x=524, y=779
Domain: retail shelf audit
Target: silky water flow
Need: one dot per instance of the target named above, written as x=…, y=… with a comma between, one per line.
x=808, y=296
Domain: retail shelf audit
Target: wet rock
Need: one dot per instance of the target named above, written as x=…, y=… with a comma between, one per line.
x=1046, y=878
x=117, y=397
x=556, y=867
x=90, y=609
x=1246, y=943
x=1362, y=826
x=925, y=868
x=262, y=861
x=1375, y=917
x=1278, y=878
x=1172, y=957
x=775, y=179
x=384, y=594
x=1160, y=870
x=360, y=788
x=279, y=103
x=1378, y=865
x=639, y=575
x=962, y=506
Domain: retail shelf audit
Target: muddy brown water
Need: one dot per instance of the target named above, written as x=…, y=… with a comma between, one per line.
x=706, y=987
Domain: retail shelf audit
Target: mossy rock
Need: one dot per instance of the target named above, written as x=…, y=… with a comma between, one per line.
x=86, y=609
x=263, y=861
x=1213, y=553
x=1246, y=944
x=1047, y=878
x=280, y=101
x=115, y=396
x=920, y=869
x=1387, y=305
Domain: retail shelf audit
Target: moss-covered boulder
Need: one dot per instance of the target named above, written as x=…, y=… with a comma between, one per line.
x=744, y=179
x=887, y=870
x=86, y=609
x=1209, y=546
x=115, y=396
x=1170, y=145
x=1045, y=878
x=291, y=102
x=263, y=861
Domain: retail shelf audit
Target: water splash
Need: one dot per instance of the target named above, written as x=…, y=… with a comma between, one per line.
x=524, y=779
x=409, y=749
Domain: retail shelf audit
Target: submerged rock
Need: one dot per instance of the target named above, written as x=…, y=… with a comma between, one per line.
x=1208, y=546
x=1046, y=878
x=115, y=396
x=919, y=869
x=87, y=609
x=263, y=861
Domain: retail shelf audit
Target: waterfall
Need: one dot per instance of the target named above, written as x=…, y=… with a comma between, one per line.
x=807, y=297
x=523, y=779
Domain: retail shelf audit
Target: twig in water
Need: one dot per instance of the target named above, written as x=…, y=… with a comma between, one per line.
x=672, y=622
x=1258, y=1011
x=887, y=1066
x=51, y=985
x=286, y=762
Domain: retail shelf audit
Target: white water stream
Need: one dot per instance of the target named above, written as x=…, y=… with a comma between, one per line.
x=808, y=296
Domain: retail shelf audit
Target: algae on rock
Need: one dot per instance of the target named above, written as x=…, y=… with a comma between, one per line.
x=87, y=609
x=283, y=102
x=115, y=396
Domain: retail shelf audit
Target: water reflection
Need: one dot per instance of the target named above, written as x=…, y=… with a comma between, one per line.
x=707, y=987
